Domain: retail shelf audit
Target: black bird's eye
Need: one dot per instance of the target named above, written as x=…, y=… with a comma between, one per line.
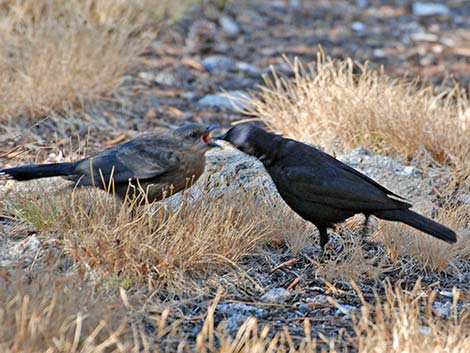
x=192, y=134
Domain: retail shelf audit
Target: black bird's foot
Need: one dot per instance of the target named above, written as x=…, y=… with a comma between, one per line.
x=330, y=249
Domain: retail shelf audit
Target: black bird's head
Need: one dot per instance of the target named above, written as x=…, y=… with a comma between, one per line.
x=195, y=135
x=243, y=136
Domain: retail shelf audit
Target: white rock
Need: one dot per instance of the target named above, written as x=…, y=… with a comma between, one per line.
x=424, y=37
x=425, y=330
x=231, y=100
x=358, y=26
x=429, y=9
x=229, y=25
x=276, y=295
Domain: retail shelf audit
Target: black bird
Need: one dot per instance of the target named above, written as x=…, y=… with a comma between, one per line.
x=155, y=165
x=322, y=189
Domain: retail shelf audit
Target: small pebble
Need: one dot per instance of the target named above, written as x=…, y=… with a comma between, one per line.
x=276, y=295
x=229, y=25
x=358, y=26
x=218, y=63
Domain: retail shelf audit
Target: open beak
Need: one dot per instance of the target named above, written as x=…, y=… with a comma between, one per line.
x=220, y=137
x=207, y=136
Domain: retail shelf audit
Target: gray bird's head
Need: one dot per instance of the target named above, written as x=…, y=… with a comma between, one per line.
x=243, y=137
x=196, y=135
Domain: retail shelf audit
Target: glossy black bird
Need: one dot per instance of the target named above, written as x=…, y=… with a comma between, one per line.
x=156, y=164
x=322, y=189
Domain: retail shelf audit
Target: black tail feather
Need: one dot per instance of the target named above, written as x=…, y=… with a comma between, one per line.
x=36, y=171
x=422, y=223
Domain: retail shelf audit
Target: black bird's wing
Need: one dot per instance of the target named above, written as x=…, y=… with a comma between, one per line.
x=338, y=187
x=347, y=168
x=142, y=158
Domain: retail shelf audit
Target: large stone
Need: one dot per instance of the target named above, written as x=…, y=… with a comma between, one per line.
x=231, y=100
x=429, y=9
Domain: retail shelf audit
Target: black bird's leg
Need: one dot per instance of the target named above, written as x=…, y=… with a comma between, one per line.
x=365, y=227
x=324, y=238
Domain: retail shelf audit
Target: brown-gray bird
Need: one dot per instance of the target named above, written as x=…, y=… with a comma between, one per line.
x=156, y=164
x=322, y=189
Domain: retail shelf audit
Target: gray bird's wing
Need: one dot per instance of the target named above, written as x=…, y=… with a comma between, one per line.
x=142, y=158
x=337, y=187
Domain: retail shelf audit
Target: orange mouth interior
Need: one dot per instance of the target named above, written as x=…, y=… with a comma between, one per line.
x=207, y=137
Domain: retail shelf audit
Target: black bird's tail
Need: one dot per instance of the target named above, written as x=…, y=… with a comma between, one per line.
x=417, y=221
x=36, y=171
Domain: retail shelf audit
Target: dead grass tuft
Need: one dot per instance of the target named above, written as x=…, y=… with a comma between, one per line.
x=415, y=251
x=405, y=321
x=163, y=246
x=51, y=314
x=55, y=54
x=327, y=102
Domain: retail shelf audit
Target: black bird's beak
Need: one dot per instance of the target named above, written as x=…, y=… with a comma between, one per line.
x=207, y=138
x=221, y=137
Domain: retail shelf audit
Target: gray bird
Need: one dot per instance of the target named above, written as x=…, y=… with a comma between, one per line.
x=322, y=189
x=156, y=164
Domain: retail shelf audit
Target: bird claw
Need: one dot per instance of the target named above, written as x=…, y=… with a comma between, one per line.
x=331, y=247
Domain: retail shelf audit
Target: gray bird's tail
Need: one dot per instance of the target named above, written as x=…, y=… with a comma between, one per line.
x=36, y=171
x=417, y=221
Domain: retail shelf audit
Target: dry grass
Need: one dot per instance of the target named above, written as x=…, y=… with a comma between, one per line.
x=328, y=103
x=61, y=314
x=55, y=54
x=404, y=321
x=397, y=321
x=48, y=313
x=162, y=246
x=415, y=251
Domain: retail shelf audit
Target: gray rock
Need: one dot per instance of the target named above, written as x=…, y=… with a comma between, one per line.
x=231, y=100
x=303, y=308
x=465, y=198
x=276, y=295
x=358, y=26
x=409, y=171
x=319, y=299
x=424, y=37
x=229, y=25
x=188, y=95
x=248, y=68
x=147, y=76
x=236, y=314
x=282, y=68
x=446, y=293
x=18, y=251
x=362, y=3
x=442, y=309
x=429, y=9
x=165, y=78
x=426, y=330
x=379, y=53
x=345, y=309
x=218, y=63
